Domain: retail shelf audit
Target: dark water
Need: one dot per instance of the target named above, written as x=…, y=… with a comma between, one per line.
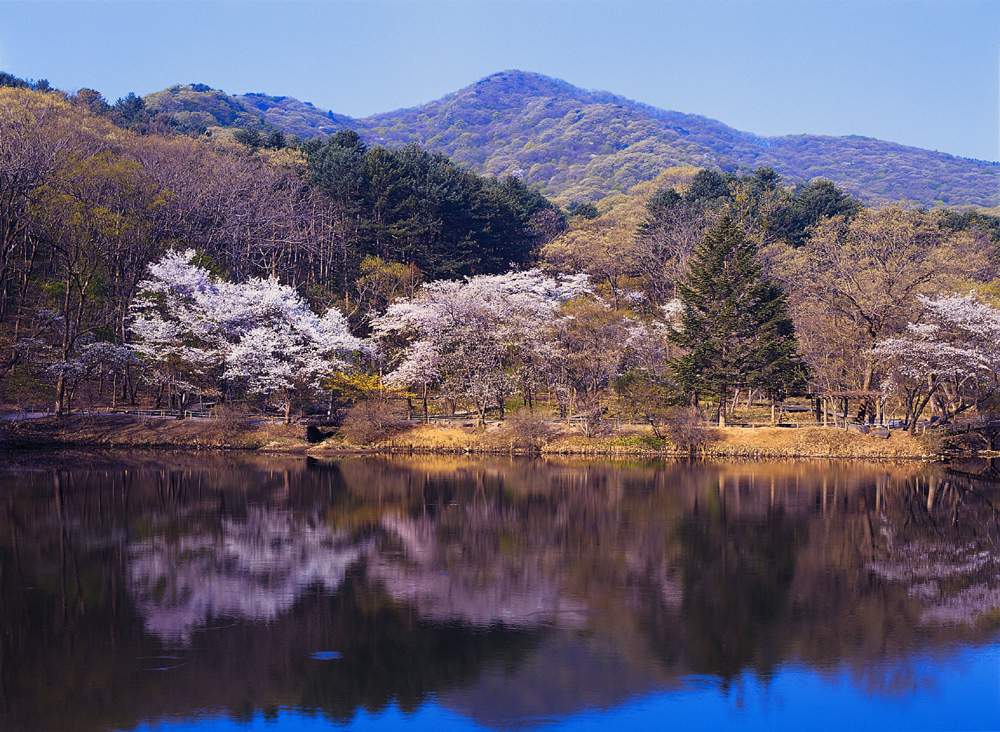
x=192, y=593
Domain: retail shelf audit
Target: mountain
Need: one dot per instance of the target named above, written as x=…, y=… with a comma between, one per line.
x=196, y=107
x=294, y=117
x=579, y=145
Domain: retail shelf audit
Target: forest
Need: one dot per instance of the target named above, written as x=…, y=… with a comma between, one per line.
x=147, y=264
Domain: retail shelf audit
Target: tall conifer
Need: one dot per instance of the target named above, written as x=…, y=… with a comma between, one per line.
x=735, y=325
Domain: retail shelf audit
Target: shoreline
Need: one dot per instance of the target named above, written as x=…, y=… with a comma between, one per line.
x=758, y=443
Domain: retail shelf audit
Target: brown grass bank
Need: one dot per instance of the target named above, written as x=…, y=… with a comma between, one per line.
x=449, y=437
x=126, y=431
x=764, y=443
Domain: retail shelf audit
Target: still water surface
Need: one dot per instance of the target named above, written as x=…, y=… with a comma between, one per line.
x=188, y=593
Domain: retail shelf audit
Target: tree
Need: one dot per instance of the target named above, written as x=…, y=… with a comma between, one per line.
x=586, y=210
x=584, y=349
x=35, y=133
x=950, y=358
x=734, y=325
x=812, y=203
x=856, y=282
x=472, y=335
x=259, y=333
x=130, y=110
x=93, y=223
x=419, y=208
x=646, y=388
x=664, y=243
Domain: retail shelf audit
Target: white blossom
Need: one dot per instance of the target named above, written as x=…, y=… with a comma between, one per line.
x=260, y=331
x=467, y=334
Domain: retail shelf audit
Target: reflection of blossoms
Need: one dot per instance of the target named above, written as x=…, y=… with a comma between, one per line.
x=516, y=592
x=930, y=568
x=253, y=570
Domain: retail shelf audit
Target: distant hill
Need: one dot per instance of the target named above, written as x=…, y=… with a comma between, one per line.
x=580, y=145
x=196, y=107
x=294, y=117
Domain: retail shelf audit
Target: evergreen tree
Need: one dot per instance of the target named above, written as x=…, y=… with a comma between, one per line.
x=735, y=326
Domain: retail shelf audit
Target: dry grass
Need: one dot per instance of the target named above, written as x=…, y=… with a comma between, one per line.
x=764, y=442
x=815, y=442
x=442, y=436
x=450, y=436
x=129, y=431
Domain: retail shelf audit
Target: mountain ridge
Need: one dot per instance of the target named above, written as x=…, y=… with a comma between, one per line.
x=579, y=145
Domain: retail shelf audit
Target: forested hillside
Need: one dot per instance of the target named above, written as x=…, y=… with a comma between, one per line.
x=91, y=194
x=198, y=108
x=579, y=146
x=145, y=263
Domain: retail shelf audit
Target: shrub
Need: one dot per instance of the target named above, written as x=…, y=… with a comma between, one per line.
x=527, y=430
x=232, y=415
x=372, y=420
x=687, y=431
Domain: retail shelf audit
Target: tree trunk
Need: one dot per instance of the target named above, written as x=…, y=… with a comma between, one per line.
x=60, y=395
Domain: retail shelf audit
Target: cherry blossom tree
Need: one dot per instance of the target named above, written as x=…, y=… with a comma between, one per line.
x=949, y=358
x=645, y=387
x=472, y=336
x=197, y=330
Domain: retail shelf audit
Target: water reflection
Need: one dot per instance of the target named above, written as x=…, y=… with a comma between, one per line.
x=512, y=592
x=253, y=568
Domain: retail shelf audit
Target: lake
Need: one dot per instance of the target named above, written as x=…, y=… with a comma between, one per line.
x=188, y=592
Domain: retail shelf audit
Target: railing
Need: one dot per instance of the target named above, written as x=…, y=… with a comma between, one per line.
x=971, y=424
x=35, y=411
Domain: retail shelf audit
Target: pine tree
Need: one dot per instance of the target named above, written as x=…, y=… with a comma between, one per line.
x=735, y=326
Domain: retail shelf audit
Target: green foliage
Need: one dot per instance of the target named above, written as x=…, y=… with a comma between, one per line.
x=812, y=203
x=294, y=117
x=418, y=208
x=195, y=107
x=582, y=145
x=735, y=325
x=756, y=198
x=586, y=210
x=130, y=109
x=955, y=221
x=9, y=80
x=250, y=137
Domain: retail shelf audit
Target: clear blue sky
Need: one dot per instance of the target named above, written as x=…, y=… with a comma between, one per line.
x=918, y=72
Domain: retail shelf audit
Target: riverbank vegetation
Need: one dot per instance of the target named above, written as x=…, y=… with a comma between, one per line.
x=119, y=431
x=145, y=268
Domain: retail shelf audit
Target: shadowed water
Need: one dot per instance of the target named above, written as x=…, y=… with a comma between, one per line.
x=186, y=593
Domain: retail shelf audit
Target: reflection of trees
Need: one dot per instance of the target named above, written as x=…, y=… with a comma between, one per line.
x=737, y=575
x=937, y=537
x=252, y=569
x=503, y=587
x=769, y=562
x=74, y=655
x=388, y=654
